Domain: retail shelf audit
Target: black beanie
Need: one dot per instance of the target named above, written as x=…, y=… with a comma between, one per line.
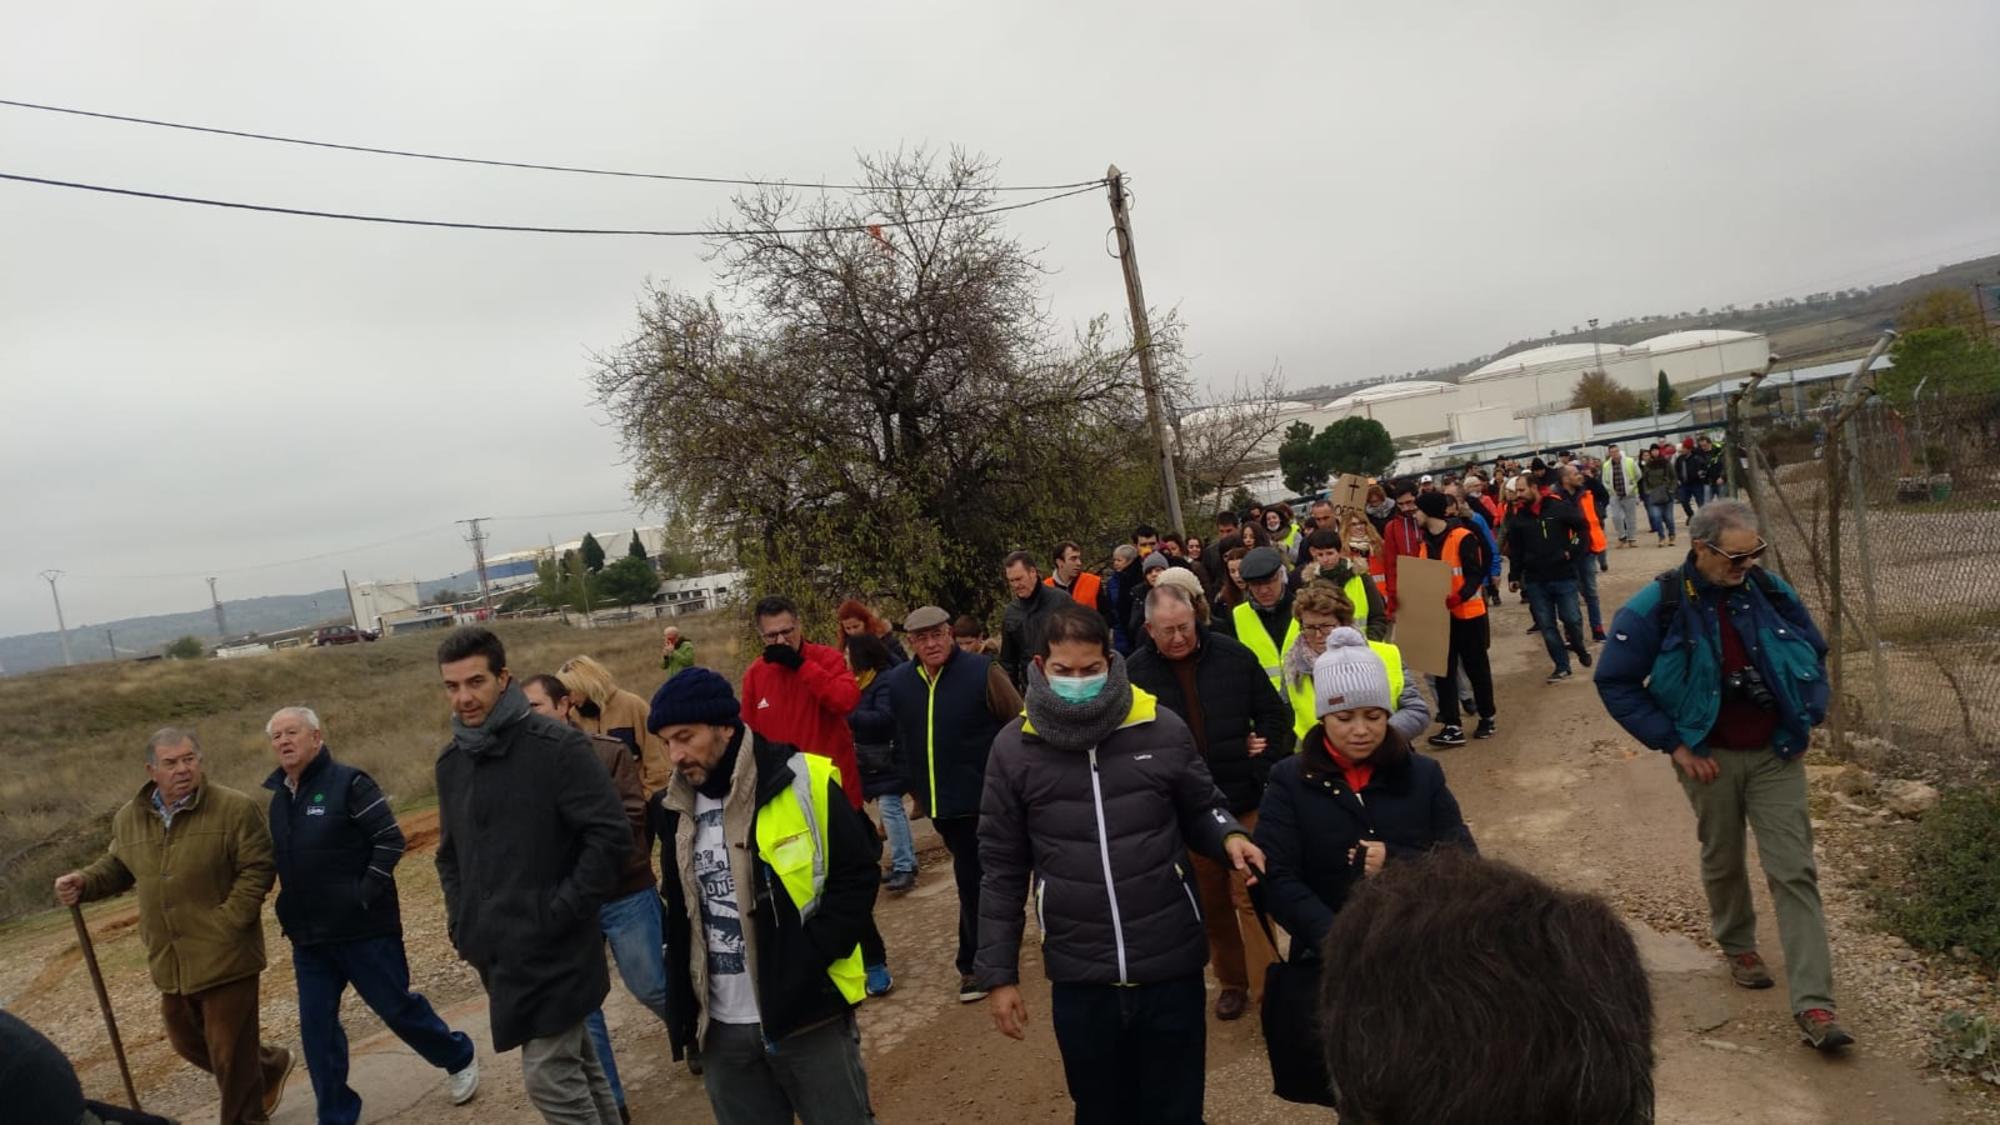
x=694, y=695
x=1434, y=504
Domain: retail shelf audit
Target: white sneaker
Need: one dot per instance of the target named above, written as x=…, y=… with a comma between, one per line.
x=464, y=1083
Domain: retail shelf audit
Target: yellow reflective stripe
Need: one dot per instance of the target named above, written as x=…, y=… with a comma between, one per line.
x=930, y=730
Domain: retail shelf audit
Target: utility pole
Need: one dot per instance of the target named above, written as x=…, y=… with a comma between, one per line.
x=1979, y=302
x=50, y=577
x=112, y=645
x=221, y=624
x=1142, y=342
x=1595, y=348
x=477, y=538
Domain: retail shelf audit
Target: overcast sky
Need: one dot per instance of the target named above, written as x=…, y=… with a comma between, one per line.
x=1347, y=189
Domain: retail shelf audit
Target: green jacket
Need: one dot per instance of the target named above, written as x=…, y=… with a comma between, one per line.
x=201, y=885
x=679, y=660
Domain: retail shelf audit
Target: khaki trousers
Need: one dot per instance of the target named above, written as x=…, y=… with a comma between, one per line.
x=1236, y=945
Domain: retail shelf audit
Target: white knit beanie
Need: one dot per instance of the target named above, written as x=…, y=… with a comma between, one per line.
x=1349, y=676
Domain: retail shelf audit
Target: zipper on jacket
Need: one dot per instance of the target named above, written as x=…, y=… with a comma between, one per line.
x=1104, y=851
x=1188, y=891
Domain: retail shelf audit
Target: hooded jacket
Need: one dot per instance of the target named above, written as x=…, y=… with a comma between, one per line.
x=531, y=843
x=786, y=956
x=623, y=717
x=1311, y=818
x=1237, y=701
x=1102, y=831
x=807, y=707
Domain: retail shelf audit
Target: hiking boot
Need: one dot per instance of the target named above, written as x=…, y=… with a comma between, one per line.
x=1748, y=971
x=968, y=990
x=1558, y=676
x=1583, y=655
x=1485, y=729
x=463, y=1083
x=274, y=1089
x=900, y=882
x=1231, y=1003
x=1449, y=736
x=1822, y=1032
x=880, y=983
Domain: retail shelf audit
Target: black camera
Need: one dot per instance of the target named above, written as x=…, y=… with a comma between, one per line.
x=1746, y=685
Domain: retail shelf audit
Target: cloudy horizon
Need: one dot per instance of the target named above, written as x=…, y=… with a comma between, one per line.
x=1344, y=190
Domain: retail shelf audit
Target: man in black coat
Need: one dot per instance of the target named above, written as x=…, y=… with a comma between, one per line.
x=336, y=843
x=1241, y=725
x=1021, y=624
x=531, y=843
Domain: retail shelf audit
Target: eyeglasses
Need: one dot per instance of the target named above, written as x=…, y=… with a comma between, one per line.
x=779, y=636
x=1744, y=558
x=1317, y=630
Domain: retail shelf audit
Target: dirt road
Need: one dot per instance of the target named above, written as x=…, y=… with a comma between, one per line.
x=1561, y=791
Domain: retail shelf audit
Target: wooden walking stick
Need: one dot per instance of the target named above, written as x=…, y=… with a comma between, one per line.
x=104, y=1002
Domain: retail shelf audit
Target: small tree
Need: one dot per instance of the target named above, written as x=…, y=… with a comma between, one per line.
x=1950, y=359
x=1358, y=445
x=593, y=553
x=446, y=596
x=1940, y=308
x=636, y=549
x=1665, y=395
x=1606, y=400
x=1302, y=459
x=628, y=581
x=187, y=648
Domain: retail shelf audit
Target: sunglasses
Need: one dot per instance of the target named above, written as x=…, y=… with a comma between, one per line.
x=1749, y=556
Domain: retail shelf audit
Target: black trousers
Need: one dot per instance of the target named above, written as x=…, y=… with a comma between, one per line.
x=1469, y=640
x=1133, y=1055
x=961, y=837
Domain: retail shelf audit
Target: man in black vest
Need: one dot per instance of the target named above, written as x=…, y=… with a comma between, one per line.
x=948, y=705
x=337, y=845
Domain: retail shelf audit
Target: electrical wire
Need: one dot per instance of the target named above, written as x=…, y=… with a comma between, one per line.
x=490, y=163
x=723, y=232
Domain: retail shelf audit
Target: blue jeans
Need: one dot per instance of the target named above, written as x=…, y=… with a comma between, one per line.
x=380, y=974
x=896, y=822
x=1549, y=601
x=1662, y=517
x=632, y=928
x=1586, y=585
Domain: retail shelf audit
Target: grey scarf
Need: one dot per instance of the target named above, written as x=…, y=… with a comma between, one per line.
x=509, y=709
x=1079, y=726
x=1299, y=661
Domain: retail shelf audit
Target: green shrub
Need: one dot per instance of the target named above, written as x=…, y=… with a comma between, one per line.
x=1952, y=896
x=1965, y=1043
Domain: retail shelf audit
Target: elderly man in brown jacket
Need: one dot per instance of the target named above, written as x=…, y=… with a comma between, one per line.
x=200, y=856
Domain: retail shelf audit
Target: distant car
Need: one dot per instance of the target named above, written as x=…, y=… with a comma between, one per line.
x=338, y=635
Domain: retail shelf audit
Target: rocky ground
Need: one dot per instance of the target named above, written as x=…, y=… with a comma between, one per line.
x=1561, y=791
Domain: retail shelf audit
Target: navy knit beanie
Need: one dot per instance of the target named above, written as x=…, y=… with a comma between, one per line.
x=696, y=695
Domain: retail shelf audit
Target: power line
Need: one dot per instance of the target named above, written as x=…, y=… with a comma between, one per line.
x=851, y=228
x=490, y=163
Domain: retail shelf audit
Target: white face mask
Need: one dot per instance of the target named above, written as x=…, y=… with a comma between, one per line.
x=1078, y=689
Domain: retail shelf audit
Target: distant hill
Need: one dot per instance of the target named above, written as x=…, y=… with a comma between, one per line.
x=139, y=636
x=1836, y=320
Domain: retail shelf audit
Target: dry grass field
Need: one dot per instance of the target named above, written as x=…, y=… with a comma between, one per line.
x=72, y=741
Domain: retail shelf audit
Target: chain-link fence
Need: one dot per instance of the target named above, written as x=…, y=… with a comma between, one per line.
x=1894, y=521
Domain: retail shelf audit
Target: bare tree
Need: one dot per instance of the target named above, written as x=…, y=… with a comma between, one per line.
x=1220, y=436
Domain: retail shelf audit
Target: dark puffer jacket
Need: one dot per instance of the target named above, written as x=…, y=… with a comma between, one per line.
x=1237, y=701
x=1311, y=817
x=874, y=727
x=1544, y=540
x=1105, y=833
x=337, y=845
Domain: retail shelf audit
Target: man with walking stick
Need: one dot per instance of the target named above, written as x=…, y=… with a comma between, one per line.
x=200, y=857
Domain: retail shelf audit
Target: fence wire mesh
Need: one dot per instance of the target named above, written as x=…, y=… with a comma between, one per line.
x=1911, y=494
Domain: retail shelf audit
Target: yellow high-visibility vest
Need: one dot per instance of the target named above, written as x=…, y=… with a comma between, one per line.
x=1250, y=630
x=791, y=837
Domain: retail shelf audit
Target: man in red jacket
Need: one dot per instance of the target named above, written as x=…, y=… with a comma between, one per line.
x=800, y=693
x=1402, y=535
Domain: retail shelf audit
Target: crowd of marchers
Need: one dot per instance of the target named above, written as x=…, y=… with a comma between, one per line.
x=1208, y=759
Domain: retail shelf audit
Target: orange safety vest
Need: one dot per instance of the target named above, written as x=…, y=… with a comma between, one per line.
x=1470, y=609
x=1084, y=593
x=1589, y=505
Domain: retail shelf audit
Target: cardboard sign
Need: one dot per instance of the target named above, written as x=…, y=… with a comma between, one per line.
x=1423, y=624
x=1350, y=491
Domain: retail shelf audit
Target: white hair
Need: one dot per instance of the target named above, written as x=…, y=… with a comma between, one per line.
x=311, y=718
x=1163, y=593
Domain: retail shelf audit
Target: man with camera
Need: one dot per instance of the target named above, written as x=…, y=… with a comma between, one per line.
x=1718, y=663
